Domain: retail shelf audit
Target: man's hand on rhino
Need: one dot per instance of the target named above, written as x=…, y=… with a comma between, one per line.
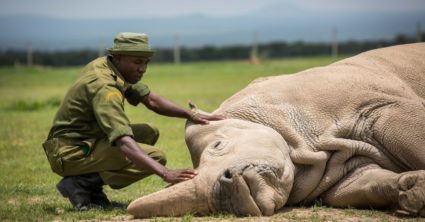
x=179, y=175
x=205, y=119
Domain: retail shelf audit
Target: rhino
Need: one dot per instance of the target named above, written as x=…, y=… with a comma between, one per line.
x=350, y=134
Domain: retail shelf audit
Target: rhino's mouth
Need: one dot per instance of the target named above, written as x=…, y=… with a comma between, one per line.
x=250, y=189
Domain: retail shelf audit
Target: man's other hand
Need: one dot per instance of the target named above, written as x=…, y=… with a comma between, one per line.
x=179, y=175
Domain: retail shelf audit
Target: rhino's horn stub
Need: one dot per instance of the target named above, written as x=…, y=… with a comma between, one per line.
x=176, y=200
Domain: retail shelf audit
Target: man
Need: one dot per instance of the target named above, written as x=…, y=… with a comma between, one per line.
x=92, y=142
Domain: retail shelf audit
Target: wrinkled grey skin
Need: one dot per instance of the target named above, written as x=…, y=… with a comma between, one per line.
x=351, y=133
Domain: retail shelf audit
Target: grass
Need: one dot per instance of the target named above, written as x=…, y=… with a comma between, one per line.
x=30, y=97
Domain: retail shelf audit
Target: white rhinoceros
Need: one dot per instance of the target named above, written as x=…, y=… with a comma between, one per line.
x=351, y=134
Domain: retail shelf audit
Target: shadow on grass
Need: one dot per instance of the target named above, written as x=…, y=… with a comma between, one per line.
x=115, y=206
x=67, y=212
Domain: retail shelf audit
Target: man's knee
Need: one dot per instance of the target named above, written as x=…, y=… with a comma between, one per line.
x=145, y=133
x=155, y=135
x=159, y=156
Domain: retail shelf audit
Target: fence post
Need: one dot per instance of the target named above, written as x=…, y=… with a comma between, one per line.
x=29, y=54
x=101, y=51
x=334, y=42
x=176, y=49
x=254, y=50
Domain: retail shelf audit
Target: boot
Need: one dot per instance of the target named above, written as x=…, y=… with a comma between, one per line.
x=98, y=197
x=78, y=196
x=84, y=191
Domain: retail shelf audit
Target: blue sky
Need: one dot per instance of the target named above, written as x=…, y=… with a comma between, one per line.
x=66, y=24
x=101, y=9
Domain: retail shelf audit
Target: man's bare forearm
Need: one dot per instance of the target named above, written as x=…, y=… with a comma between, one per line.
x=136, y=155
x=132, y=151
x=165, y=107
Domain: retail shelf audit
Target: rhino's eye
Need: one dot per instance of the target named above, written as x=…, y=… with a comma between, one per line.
x=218, y=148
x=217, y=144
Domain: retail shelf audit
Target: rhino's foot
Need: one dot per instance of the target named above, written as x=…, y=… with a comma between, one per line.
x=411, y=198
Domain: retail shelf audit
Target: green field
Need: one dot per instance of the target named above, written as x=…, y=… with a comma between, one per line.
x=30, y=97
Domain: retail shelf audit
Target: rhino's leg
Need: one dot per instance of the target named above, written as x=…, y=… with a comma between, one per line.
x=372, y=186
x=400, y=131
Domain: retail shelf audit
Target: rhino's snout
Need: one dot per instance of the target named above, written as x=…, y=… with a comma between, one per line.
x=249, y=190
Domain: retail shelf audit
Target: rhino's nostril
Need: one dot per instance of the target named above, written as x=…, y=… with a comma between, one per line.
x=227, y=174
x=226, y=178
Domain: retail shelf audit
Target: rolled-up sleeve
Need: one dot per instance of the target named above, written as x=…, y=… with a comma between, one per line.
x=135, y=93
x=108, y=106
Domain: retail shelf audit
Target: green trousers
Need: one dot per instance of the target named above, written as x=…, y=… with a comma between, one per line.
x=71, y=157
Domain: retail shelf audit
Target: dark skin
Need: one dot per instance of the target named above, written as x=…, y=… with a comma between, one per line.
x=132, y=69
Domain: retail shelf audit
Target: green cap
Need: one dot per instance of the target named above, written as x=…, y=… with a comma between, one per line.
x=130, y=43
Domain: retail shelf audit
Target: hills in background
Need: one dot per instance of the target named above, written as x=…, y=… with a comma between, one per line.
x=197, y=30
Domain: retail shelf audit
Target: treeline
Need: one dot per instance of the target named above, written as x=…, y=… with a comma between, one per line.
x=207, y=53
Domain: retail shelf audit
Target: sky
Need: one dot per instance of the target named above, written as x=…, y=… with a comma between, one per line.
x=66, y=24
x=110, y=9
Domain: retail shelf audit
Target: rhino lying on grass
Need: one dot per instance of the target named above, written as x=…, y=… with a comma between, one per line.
x=351, y=134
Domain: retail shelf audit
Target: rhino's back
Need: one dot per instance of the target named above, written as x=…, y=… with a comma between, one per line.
x=407, y=62
x=397, y=71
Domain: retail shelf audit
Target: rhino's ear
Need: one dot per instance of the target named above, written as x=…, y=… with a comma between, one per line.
x=192, y=105
x=194, y=109
x=176, y=200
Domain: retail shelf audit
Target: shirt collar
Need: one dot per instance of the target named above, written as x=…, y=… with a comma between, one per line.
x=120, y=80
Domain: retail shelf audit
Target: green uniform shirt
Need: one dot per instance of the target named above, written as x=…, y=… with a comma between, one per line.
x=94, y=106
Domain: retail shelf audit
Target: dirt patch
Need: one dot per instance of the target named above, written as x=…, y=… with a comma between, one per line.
x=37, y=200
x=13, y=202
x=31, y=200
x=296, y=214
